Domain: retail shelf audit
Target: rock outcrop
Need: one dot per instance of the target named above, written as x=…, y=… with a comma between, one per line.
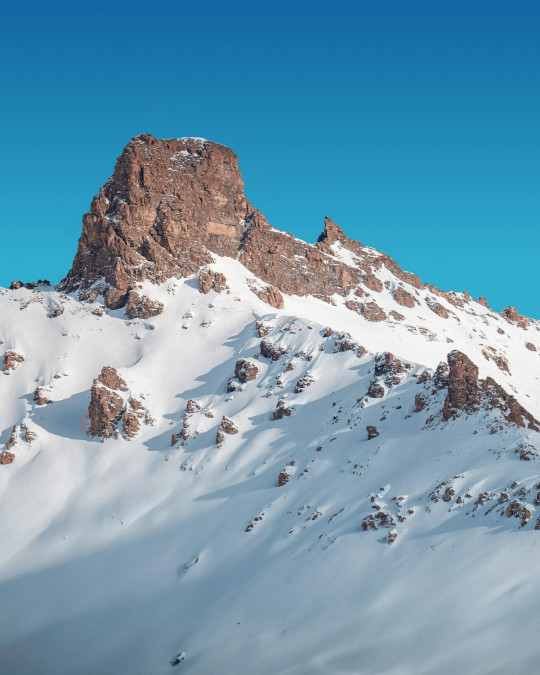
x=168, y=205
x=245, y=371
x=281, y=411
x=7, y=457
x=512, y=316
x=227, y=426
x=463, y=390
x=467, y=393
x=270, y=295
x=171, y=204
x=12, y=360
x=42, y=396
x=403, y=297
x=142, y=307
x=210, y=280
x=111, y=410
x=106, y=404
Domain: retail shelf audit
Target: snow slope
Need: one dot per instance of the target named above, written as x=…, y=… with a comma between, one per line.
x=118, y=556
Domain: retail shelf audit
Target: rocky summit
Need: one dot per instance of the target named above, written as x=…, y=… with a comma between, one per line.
x=226, y=450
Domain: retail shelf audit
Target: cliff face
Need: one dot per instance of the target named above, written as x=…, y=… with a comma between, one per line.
x=167, y=205
x=170, y=204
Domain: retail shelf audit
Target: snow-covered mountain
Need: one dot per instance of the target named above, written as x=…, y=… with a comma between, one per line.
x=225, y=450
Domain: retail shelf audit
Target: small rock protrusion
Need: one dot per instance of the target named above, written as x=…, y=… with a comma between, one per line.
x=209, y=280
x=12, y=360
x=403, y=297
x=245, y=371
x=281, y=411
x=227, y=426
x=41, y=396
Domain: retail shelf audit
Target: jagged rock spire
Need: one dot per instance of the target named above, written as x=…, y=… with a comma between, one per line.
x=332, y=232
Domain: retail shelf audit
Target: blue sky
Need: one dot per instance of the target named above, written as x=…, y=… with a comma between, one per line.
x=414, y=125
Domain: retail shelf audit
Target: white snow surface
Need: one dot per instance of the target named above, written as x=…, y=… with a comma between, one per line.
x=123, y=556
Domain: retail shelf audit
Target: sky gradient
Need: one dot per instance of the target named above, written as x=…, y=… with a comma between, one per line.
x=415, y=125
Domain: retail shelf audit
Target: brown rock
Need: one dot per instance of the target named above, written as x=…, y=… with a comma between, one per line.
x=29, y=436
x=466, y=392
x=512, y=316
x=211, y=280
x=530, y=347
x=437, y=308
x=448, y=494
x=167, y=204
x=514, y=412
x=106, y=405
x=12, y=360
x=283, y=478
x=6, y=457
x=270, y=351
x=110, y=378
x=13, y=437
x=517, y=510
x=387, y=366
x=302, y=384
x=281, y=411
x=192, y=406
x=372, y=432
x=345, y=343
x=403, y=297
x=142, y=308
x=372, y=282
x=375, y=390
x=104, y=411
x=369, y=310
x=130, y=424
x=463, y=389
x=262, y=330
x=372, y=312
x=227, y=426
x=41, y=396
x=270, y=295
x=245, y=371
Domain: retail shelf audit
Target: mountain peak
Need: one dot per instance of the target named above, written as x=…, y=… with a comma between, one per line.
x=171, y=205
x=332, y=232
x=168, y=204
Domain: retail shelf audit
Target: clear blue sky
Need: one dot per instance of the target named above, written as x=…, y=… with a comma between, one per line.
x=414, y=125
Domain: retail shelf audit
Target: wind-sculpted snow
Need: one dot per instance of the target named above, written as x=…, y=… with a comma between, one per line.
x=259, y=524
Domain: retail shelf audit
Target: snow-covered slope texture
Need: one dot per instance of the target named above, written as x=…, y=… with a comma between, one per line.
x=290, y=499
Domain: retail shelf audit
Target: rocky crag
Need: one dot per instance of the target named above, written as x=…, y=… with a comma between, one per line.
x=171, y=204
